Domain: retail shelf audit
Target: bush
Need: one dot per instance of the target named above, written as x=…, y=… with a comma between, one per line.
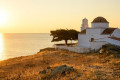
x=109, y=49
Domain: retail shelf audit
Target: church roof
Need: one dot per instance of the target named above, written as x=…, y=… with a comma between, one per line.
x=83, y=31
x=108, y=30
x=100, y=20
x=115, y=38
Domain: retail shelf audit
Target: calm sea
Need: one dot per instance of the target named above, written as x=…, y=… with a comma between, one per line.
x=15, y=45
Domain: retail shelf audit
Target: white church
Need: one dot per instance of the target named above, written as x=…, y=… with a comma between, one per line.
x=98, y=34
x=92, y=38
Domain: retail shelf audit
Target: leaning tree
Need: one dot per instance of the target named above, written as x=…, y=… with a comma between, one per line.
x=64, y=34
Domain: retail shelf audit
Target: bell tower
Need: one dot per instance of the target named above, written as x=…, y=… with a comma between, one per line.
x=84, y=24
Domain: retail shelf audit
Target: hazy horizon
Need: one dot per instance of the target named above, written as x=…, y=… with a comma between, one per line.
x=41, y=16
x=25, y=33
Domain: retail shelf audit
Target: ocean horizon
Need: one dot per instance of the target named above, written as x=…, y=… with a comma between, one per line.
x=23, y=44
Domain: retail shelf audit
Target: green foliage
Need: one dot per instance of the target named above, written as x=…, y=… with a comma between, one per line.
x=109, y=49
x=64, y=34
x=73, y=34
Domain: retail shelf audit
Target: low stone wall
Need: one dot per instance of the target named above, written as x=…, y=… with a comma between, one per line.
x=73, y=48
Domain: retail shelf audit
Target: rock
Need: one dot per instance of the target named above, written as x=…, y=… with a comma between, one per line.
x=117, y=55
x=42, y=72
x=62, y=70
x=48, y=67
x=79, y=75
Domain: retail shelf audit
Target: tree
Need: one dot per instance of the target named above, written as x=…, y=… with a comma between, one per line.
x=73, y=34
x=64, y=34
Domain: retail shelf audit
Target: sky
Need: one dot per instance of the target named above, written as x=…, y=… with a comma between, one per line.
x=42, y=16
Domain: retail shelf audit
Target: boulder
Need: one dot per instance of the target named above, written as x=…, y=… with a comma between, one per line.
x=62, y=70
x=42, y=72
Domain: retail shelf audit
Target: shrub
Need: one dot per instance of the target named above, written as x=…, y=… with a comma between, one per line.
x=109, y=49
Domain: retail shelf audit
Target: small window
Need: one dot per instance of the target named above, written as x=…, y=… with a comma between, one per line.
x=92, y=39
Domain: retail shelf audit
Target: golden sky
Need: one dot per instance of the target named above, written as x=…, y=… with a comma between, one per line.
x=41, y=16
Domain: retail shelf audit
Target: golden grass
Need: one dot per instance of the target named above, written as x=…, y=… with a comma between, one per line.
x=87, y=67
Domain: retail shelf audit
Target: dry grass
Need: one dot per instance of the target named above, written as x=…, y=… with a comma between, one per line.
x=87, y=67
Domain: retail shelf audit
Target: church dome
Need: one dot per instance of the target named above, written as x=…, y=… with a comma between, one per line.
x=100, y=20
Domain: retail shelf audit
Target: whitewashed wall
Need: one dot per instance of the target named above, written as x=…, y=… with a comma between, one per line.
x=96, y=34
x=83, y=40
x=97, y=45
x=112, y=41
x=74, y=49
x=102, y=38
x=116, y=33
x=94, y=31
x=100, y=25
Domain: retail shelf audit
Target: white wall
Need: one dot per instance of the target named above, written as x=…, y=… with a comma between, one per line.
x=112, y=41
x=116, y=33
x=97, y=45
x=101, y=37
x=96, y=34
x=83, y=40
x=74, y=49
x=91, y=31
x=100, y=25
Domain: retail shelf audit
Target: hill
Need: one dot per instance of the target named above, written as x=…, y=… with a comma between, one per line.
x=51, y=64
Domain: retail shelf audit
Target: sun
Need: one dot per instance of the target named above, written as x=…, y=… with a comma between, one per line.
x=3, y=17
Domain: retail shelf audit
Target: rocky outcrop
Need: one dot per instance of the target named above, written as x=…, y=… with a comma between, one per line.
x=62, y=70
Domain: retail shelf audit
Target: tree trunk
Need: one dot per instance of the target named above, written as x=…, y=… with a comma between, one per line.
x=66, y=42
x=71, y=42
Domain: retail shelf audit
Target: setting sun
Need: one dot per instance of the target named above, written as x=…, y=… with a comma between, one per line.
x=3, y=17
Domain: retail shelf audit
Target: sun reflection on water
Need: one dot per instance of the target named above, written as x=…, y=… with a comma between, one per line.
x=1, y=46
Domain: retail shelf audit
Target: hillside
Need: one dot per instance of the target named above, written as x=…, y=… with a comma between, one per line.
x=50, y=64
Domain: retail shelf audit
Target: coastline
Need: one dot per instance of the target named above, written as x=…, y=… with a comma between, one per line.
x=86, y=66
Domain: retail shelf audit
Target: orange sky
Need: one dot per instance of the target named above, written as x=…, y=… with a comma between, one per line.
x=41, y=16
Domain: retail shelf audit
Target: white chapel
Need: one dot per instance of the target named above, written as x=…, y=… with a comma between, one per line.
x=98, y=34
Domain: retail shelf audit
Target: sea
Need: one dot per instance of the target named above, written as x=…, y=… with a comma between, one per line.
x=23, y=44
